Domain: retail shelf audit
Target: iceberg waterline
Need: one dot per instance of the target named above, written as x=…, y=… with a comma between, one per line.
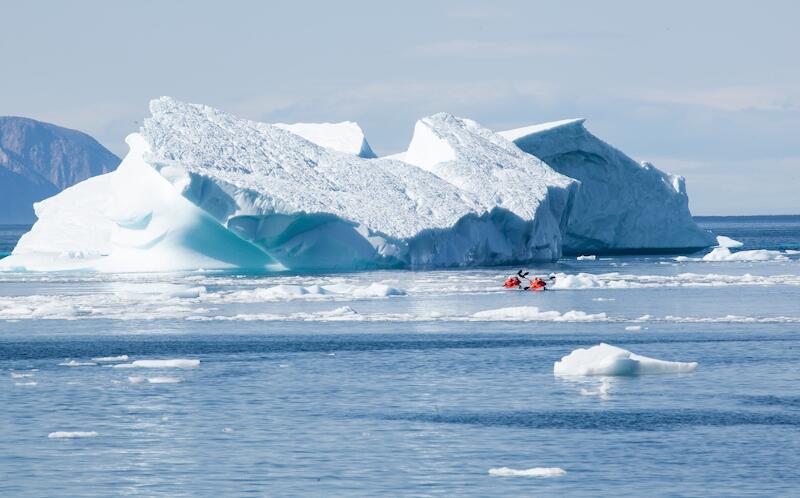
x=201, y=188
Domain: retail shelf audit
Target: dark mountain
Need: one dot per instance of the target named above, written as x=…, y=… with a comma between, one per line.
x=39, y=159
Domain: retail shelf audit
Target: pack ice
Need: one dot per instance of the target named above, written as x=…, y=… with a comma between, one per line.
x=201, y=188
x=622, y=205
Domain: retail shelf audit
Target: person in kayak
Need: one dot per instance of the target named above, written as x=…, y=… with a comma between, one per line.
x=534, y=284
x=513, y=283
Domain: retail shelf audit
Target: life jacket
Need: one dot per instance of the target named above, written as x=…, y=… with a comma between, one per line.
x=511, y=283
x=538, y=284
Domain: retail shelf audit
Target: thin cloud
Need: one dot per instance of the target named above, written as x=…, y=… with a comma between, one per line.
x=731, y=99
x=484, y=49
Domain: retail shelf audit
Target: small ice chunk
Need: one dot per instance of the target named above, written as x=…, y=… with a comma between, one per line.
x=633, y=328
x=29, y=383
x=71, y=434
x=533, y=472
x=605, y=359
x=174, y=363
x=73, y=363
x=110, y=359
x=136, y=379
x=590, y=257
x=227, y=429
x=163, y=380
x=21, y=375
x=723, y=241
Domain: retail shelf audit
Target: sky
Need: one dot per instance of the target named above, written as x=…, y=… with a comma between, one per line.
x=709, y=90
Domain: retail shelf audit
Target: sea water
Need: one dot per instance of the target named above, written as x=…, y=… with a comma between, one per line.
x=400, y=383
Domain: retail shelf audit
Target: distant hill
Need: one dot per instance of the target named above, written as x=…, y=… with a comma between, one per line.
x=38, y=160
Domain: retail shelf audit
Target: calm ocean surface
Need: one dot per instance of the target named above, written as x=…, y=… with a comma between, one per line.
x=388, y=383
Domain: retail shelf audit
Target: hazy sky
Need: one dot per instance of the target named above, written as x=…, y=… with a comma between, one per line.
x=709, y=90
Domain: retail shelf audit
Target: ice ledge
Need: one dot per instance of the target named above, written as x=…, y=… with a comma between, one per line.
x=518, y=133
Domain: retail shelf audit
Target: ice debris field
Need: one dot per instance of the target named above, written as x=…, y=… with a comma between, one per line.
x=201, y=188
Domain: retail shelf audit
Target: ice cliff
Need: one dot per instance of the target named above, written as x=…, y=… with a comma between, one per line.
x=203, y=188
x=622, y=205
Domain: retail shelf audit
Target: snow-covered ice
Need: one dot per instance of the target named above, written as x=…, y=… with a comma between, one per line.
x=346, y=136
x=605, y=359
x=723, y=241
x=590, y=257
x=725, y=254
x=622, y=205
x=532, y=472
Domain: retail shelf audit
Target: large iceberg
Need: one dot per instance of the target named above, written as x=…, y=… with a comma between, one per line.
x=622, y=205
x=202, y=188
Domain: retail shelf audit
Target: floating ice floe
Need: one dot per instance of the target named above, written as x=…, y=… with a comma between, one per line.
x=71, y=434
x=74, y=363
x=633, y=328
x=725, y=254
x=172, y=363
x=533, y=472
x=111, y=359
x=591, y=257
x=138, y=379
x=605, y=359
x=285, y=292
x=617, y=280
x=532, y=313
